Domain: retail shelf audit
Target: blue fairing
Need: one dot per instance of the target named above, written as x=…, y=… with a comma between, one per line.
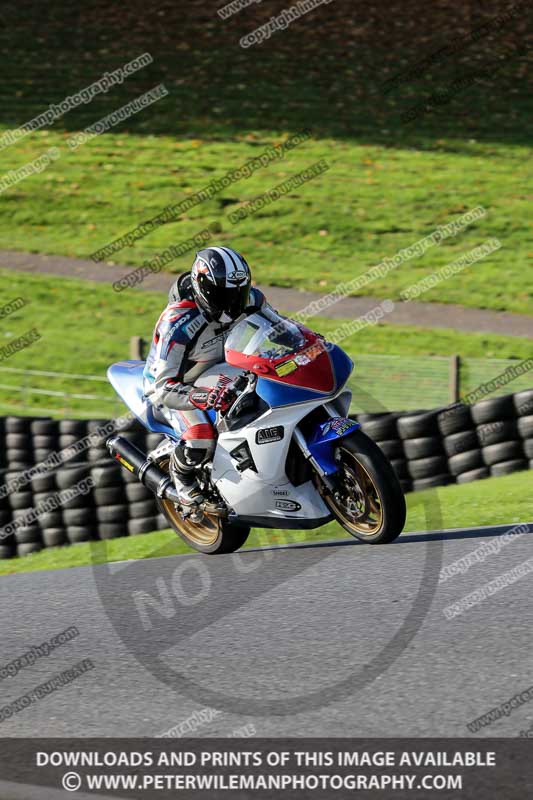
x=322, y=442
x=277, y=394
x=342, y=365
x=126, y=378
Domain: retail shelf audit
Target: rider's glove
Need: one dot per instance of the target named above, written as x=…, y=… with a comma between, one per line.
x=199, y=397
x=222, y=395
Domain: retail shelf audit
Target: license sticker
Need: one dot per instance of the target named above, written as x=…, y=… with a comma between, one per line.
x=306, y=356
x=286, y=368
x=302, y=359
x=314, y=351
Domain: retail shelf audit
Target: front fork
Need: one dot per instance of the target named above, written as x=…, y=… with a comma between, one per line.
x=320, y=450
x=302, y=444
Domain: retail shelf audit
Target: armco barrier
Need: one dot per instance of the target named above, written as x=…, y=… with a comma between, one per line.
x=92, y=497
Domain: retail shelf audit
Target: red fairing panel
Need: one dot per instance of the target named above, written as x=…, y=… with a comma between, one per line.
x=309, y=368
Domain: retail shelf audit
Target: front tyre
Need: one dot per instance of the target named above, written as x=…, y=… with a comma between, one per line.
x=367, y=499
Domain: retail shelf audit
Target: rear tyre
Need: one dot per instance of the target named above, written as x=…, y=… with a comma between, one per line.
x=368, y=502
x=212, y=536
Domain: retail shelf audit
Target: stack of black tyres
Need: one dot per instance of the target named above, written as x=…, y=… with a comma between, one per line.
x=7, y=544
x=50, y=520
x=27, y=536
x=426, y=460
x=97, y=450
x=461, y=444
x=497, y=431
x=18, y=443
x=383, y=430
x=71, y=433
x=110, y=500
x=523, y=403
x=123, y=505
x=142, y=506
x=116, y=505
x=78, y=514
x=44, y=439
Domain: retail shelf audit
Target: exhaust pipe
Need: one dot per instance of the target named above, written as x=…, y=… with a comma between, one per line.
x=134, y=460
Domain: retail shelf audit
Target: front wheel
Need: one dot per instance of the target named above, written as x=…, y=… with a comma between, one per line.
x=367, y=499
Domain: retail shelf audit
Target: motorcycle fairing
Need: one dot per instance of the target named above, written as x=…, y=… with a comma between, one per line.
x=322, y=441
x=126, y=378
x=264, y=494
x=277, y=392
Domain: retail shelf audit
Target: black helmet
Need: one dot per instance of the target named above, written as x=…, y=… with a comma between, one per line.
x=221, y=281
x=181, y=289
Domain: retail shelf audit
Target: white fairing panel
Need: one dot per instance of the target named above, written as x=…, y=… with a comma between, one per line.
x=267, y=492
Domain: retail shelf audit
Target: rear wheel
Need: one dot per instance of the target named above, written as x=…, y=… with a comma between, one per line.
x=213, y=535
x=367, y=499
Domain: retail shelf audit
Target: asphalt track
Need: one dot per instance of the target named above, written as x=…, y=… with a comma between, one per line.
x=340, y=639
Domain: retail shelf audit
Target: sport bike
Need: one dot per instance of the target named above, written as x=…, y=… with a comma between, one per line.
x=287, y=454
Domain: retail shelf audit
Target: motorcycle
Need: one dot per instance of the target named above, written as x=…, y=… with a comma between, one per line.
x=287, y=454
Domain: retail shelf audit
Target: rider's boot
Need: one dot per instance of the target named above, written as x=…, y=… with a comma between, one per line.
x=183, y=472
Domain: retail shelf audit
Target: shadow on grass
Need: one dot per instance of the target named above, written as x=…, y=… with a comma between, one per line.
x=327, y=71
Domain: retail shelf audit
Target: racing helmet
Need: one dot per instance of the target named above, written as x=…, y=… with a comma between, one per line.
x=221, y=281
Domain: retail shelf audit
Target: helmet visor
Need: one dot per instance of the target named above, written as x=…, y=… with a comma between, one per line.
x=230, y=299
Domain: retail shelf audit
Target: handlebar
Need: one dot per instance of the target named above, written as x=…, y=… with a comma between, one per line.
x=242, y=381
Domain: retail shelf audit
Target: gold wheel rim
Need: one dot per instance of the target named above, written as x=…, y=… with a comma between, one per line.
x=203, y=534
x=368, y=504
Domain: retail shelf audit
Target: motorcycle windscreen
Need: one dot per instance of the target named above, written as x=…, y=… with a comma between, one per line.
x=266, y=335
x=277, y=348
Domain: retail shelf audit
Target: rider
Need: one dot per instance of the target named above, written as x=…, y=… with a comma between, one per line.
x=188, y=339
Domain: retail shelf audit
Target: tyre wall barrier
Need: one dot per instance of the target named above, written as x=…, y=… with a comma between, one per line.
x=108, y=502
x=457, y=444
x=433, y=448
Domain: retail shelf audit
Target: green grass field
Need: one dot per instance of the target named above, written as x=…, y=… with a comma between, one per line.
x=370, y=204
x=488, y=502
x=87, y=326
x=389, y=183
